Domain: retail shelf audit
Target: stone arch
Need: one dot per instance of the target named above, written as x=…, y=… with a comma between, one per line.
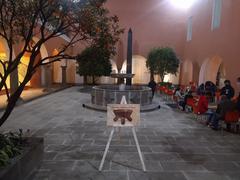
x=186, y=72
x=209, y=69
x=39, y=77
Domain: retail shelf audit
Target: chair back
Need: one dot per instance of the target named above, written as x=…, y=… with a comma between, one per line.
x=190, y=102
x=231, y=116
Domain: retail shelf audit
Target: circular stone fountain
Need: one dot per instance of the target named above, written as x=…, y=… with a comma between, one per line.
x=112, y=94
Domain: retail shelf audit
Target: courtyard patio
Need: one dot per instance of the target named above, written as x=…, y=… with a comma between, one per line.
x=174, y=145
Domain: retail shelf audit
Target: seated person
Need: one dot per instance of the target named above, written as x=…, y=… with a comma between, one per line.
x=178, y=94
x=202, y=105
x=183, y=102
x=238, y=103
x=227, y=90
x=224, y=106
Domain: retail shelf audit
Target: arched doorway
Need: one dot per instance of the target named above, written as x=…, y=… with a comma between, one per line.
x=221, y=76
x=38, y=79
x=186, y=72
x=212, y=70
x=139, y=68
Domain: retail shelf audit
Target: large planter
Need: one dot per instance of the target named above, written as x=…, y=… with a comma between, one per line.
x=23, y=166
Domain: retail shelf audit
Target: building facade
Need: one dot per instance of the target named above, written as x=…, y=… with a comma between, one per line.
x=205, y=37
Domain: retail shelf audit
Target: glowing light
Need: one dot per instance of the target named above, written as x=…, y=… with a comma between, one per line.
x=3, y=56
x=183, y=4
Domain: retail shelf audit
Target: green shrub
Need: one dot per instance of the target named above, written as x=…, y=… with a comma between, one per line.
x=10, y=146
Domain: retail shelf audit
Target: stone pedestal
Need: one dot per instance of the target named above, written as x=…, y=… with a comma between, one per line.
x=48, y=77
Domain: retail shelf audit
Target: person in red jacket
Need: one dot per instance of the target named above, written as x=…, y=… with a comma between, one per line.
x=202, y=105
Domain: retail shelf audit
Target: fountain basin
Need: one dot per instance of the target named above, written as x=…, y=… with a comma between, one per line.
x=111, y=94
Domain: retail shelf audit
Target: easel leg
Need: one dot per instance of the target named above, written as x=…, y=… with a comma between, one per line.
x=138, y=148
x=106, y=150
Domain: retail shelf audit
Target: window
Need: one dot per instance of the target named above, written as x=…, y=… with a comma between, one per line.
x=216, y=15
x=189, y=29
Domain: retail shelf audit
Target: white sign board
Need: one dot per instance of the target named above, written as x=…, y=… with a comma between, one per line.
x=123, y=115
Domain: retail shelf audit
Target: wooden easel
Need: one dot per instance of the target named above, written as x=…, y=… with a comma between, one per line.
x=123, y=101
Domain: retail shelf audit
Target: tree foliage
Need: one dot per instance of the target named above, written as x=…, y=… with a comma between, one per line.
x=21, y=20
x=94, y=62
x=162, y=61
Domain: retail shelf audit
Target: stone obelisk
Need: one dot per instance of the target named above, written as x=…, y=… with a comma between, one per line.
x=129, y=57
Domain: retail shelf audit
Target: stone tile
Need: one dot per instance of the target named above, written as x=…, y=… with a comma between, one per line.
x=182, y=166
x=233, y=175
x=226, y=157
x=75, y=155
x=84, y=166
x=201, y=158
x=49, y=155
x=221, y=166
x=57, y=165
x=62, y=148
x=41, y=175
x=156, y=176
x=78, y=141
x=153, y=166
x=129, y=149
x=89, y=175
x=162, y=157
x=205, y=176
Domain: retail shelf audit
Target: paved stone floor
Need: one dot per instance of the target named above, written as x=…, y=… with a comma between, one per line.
x=30, y=94
x=174, y=145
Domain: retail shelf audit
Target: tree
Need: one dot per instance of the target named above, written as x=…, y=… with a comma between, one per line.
x=94, y=61
x=20, y=21
x=162, y=61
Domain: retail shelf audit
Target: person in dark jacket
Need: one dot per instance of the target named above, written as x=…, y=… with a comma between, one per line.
x=152, y=84
x=201, y=89
x=228, y=90
x=223, y=107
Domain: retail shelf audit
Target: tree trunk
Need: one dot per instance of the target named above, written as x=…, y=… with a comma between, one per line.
x=162, y=77
x=12, y=102
x=151, y=75
x=93, y=80
x=3, y=81
x=85, y=80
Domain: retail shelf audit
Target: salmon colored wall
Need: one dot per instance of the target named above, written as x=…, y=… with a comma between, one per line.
x=223, y=42
x=154, y=23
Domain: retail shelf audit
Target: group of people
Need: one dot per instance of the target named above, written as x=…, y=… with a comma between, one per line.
x=226, y=104
x=206, y=94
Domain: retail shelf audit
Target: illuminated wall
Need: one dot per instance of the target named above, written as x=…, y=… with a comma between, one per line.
x=22, y=68
x=3, y=57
